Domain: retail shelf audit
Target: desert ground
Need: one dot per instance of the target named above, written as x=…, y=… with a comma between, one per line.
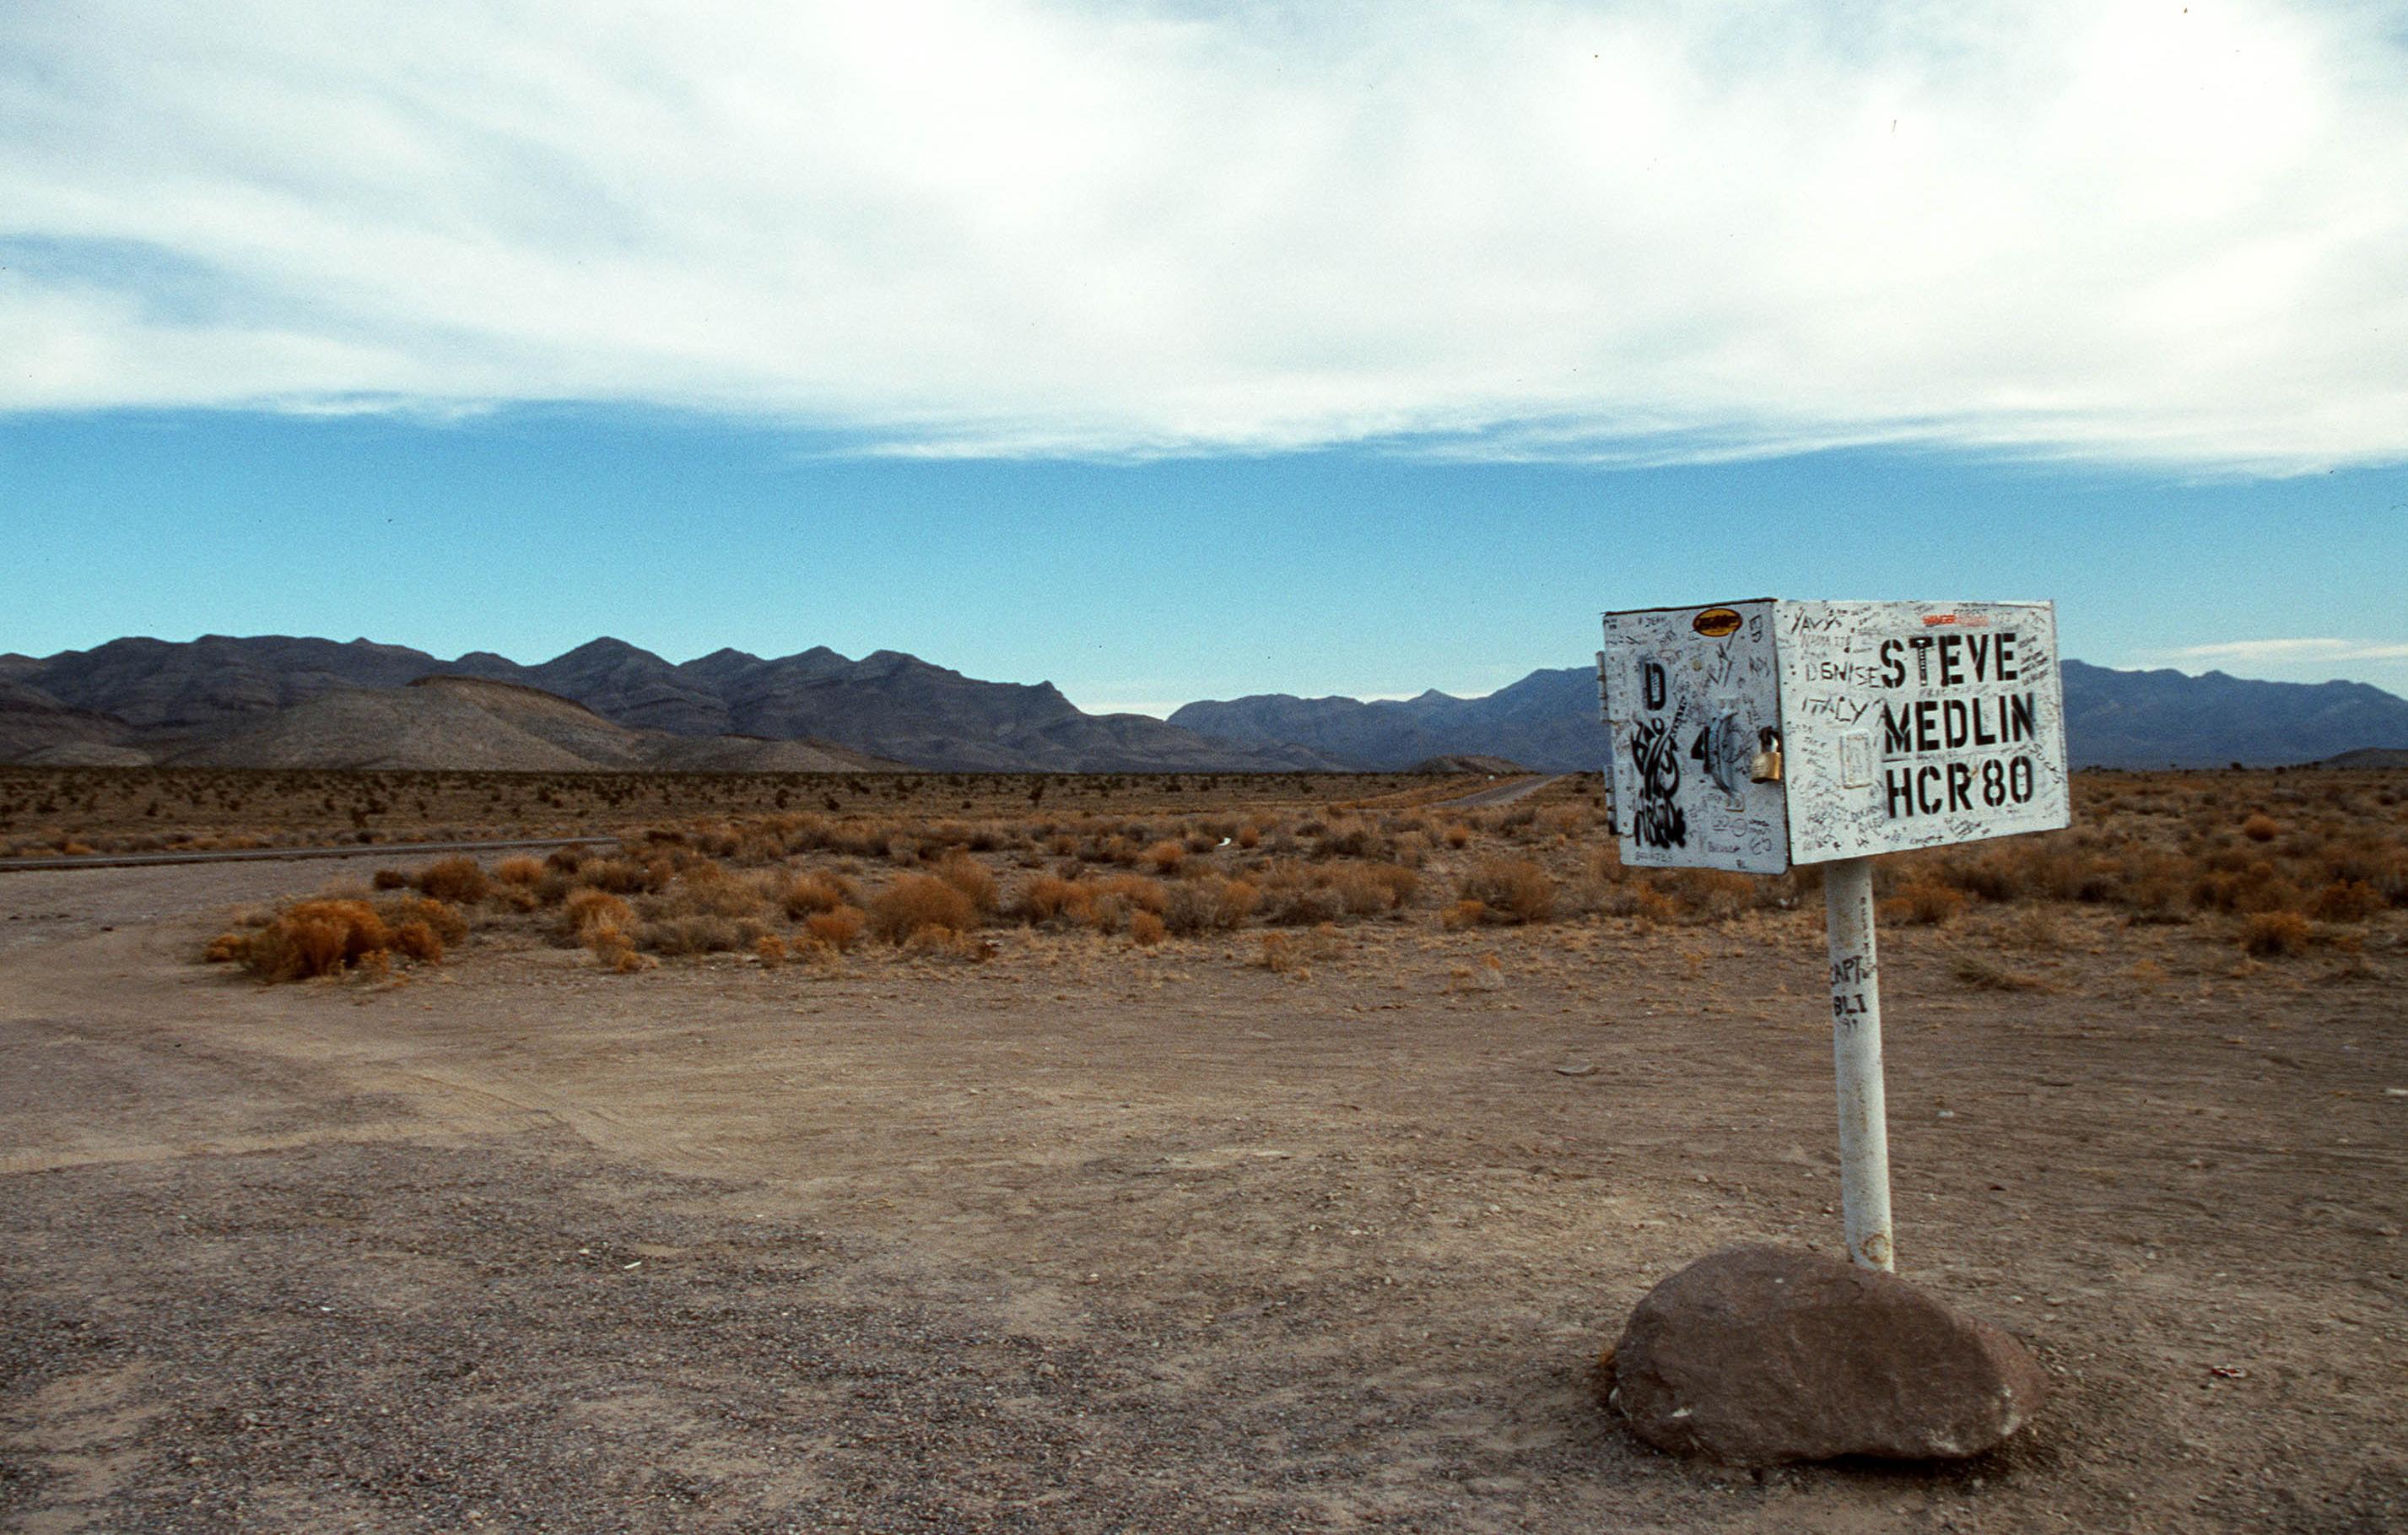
x=649, y=1190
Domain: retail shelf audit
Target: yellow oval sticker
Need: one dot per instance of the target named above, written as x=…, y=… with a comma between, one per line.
x=1714, y=622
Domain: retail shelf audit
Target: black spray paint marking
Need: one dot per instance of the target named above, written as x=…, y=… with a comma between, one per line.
x=1659, y=823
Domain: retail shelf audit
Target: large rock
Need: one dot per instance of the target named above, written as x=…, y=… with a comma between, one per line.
x=1759, y=1355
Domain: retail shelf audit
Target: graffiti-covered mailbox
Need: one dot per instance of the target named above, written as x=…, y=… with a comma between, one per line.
x=1752, y=736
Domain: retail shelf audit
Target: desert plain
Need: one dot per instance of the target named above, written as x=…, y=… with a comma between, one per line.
x=1257, y=1153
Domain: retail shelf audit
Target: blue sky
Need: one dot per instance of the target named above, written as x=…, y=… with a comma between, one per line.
x=1168, y=352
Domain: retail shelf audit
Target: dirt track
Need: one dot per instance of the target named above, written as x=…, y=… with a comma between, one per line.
x=1090, y=1239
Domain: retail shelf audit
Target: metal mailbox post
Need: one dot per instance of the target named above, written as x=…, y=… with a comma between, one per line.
x=1755, y=736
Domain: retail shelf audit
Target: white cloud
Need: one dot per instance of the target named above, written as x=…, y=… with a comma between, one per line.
x=2110, y=231
x=2287, y=652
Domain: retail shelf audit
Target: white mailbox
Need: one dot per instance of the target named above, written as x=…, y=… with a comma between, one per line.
x=1755, y=735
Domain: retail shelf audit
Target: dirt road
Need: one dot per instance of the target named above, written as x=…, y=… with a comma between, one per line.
x=1504, y=794
x=1091, y=1239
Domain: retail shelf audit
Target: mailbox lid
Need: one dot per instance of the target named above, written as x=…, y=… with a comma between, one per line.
x=1914, y=725
x=1692, y=700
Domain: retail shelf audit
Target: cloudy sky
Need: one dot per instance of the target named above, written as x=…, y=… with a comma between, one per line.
x=1172, y=350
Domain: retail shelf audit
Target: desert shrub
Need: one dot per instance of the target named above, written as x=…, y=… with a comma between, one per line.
x=702, y=934
x=1145, y=929
x=2260, y=827
x=1989, y=975
x=972, y=879
x=1137, y=891
x=419, y=940
x=945, y=943
x=388, y=879
x=770, y=950
x=1049, y=897
x=801, y=894
x=312, y=938
x=1365, y=889
x=837, y=930
x=711, y=890
x=1462, y=915
x=916, y=902
x=587, y=909
x=619, y=876
x=2276, y=933
x=1712, y=895
x=456, y=879
x=1513, y=889
x=2346, y=900
x=1164, y=857
x=1249, y=837
x=444, y=920
x=1925, y=903
x=1296, y=905
x=1208, y=904
x=521, y=870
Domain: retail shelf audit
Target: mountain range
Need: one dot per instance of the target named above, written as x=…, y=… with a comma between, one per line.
x=276, y=700
x=141, y=699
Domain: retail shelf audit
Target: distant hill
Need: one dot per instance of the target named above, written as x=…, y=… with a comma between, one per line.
x=2154, y=719
x=470, y=724
x=249, y=701
x=2388, y=759
x=1547, y=720
x=1493, y=766
x=2129, y=719
x=190, y=699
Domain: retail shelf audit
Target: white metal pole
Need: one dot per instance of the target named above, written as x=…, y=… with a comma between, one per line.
x=1856, y=1055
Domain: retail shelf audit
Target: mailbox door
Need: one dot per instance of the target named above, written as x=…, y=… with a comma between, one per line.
x=1692, y=700
x=1911, y=724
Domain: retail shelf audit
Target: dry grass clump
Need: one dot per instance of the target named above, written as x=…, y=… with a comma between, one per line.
x=1050, y=900
x=1510, y=890
x=1368, y=889
x=519, y=871
x=1924, y=903
x=458, y=879
x=1208, y=903
x=308, y=939
x=839, y=930
x=711, y=890
x=446, y=921
x=2346, y=900
x=620, y=876
x=918, y=902
x=587, y=909
x=1145, y=929
x=1164, y=857
x=971, y=878
x=801, y=896
x=419, y=941
x=703, y=933
x=2261, y=828
x=1710, y=895
x=603, y=922
x=2275, y=933
x=338, y=935
x=1983, y=974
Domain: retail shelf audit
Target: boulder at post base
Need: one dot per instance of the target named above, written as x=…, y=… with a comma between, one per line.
x=1758, y=1356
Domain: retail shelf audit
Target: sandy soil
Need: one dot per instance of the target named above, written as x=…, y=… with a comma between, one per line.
x=1087, y=1237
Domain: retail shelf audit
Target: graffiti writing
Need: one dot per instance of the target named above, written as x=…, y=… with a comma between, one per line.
x=1659, y=822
